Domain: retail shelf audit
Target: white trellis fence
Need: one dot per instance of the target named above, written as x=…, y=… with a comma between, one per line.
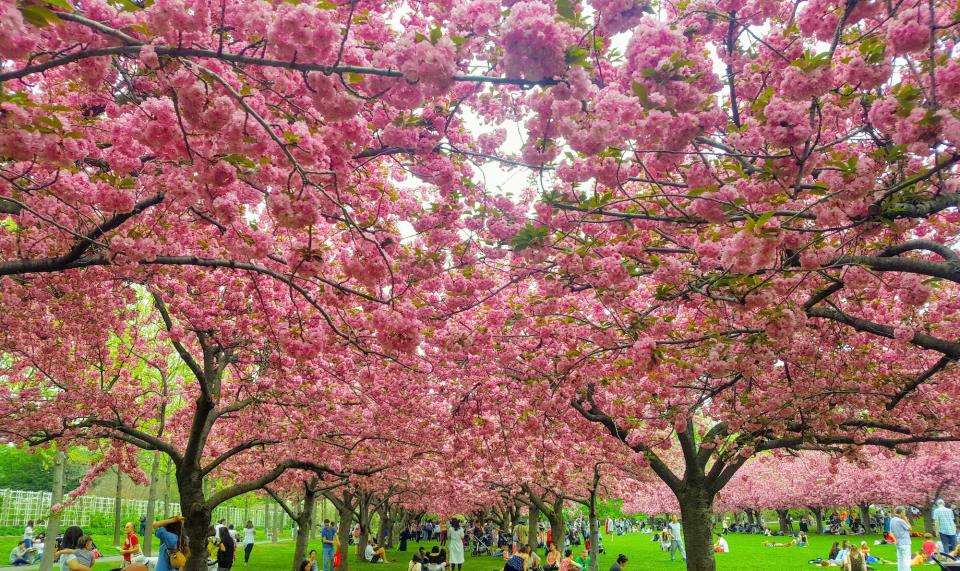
x=17, y=507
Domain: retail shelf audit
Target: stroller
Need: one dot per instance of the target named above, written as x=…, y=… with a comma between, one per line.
x=947, y=562
x=479, y=544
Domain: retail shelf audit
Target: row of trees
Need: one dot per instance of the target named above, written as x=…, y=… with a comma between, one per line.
x=255, y=239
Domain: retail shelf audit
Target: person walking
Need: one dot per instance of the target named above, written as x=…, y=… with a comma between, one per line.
x=944, y=523
x=900, y=528
x=249, y=535
x=228, y=550
x=455, y=548
x=326, y=537
x=676, y=541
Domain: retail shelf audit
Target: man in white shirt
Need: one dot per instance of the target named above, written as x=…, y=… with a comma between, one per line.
x=900, y=528
x=945, y=524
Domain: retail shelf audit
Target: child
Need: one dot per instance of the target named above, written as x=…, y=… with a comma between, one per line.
x=665, y=539
x=928, y=547
x=84, y=551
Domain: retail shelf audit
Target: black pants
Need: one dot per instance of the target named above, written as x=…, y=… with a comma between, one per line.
x=246, y=552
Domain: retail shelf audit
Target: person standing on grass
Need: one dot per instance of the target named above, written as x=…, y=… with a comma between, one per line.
x=228, y=550
x=945, y=525
x=455, y=538
x=676, y=541
x=326, y=537
x=249, y=533
x=28, y=535
x=900, y=528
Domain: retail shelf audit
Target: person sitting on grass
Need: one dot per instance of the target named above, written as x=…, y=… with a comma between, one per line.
x=842, y=554
x=20, y=555
x=567, y=563
x=436, y=559
x=583, y=560
x=791, y=543
x=553, y=558
x=854, y=561
x=416, y=564
x=721, y=546
x=375, y=554
x=534, y=563
x=666, y=538
x=83, y=552
x=802, y=539
x=928, y=547
x=919, y=558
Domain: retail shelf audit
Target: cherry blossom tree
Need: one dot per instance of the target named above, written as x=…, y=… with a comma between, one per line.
x=736, y=235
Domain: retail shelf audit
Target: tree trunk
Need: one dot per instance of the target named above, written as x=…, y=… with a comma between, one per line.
x=818, y=517
x=363, y=511
x=118, y=511
x=346, y=522
x=53, y=524
x=304, y=524
x=557, y=530
x=196, y=515
x=696, y=507
x=384, y=536
x=533, y=527
x=865, y=516
x=166, y=491
x=594, y=532
x=927, y=519
x=147, y=545
x=268, y=518
x=785, y=526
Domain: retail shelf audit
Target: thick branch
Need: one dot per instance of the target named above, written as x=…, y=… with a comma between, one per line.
x=921, y=378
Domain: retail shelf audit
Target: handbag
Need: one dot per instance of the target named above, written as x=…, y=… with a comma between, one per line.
x=337, y=559
x=178, y=557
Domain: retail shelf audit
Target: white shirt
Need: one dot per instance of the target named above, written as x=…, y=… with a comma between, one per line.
x=248, y=535
x=900, y=530
x=28, y=533
x=723, y=546
x=675, y=530
x=368, y=553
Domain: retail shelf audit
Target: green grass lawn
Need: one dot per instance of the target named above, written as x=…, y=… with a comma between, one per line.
x=746, y=554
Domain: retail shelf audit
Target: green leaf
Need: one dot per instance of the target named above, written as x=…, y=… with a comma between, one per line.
x=354, y=78
x=458, y=40
x=529, y=236
x=418, y=37
x=60, y=4
x=239, y=161
x=764, y=218
x=38, y=16
x=129, y=5
x=435, y=35
x=576, y=55
x=639, y=90
x=565, y=10
x=324, y=5
x=51, y=121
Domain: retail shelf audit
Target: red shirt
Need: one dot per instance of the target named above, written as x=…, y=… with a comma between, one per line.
x=131, y=542
x=929, y=547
